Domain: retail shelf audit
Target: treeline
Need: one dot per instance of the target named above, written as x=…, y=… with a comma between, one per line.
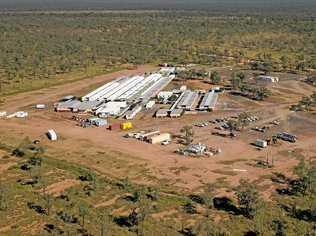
x=222, y=6
x=43, y=45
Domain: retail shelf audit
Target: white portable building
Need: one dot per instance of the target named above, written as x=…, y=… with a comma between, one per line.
x=111, y=108
x=21, y=114
x=160, y=138
x=3, y=113
x=150, y=104
x=40, y=106
x=51, y=134
x=267, y=78
x=164, y=95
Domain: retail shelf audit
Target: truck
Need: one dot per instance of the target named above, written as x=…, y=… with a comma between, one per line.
x=287, y=137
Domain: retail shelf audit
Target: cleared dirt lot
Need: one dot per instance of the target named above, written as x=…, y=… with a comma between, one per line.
x=111, y=154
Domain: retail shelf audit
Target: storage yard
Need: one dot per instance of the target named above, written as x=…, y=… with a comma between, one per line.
x=157, y=110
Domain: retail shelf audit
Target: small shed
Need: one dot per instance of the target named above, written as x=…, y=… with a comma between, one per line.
x=51, y=134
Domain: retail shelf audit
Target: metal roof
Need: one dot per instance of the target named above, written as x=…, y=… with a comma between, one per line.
x=209, y=101
x=162, y=112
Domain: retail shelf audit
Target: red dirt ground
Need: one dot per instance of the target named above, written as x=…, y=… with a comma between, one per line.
x=78, y=145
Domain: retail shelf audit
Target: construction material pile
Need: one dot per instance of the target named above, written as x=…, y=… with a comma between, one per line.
x=198, y=150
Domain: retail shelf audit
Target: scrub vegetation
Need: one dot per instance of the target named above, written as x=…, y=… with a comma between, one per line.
x=43, y=48
x=52, y=197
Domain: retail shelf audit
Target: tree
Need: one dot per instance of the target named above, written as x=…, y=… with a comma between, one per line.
x=279, y=227
x=215, y=77
x=248, y=198
x=209, y=196
x=261, y=93
x=104, y=221
x=236, y=82
x=207, y=227
x=243, y=120
x=3, y=198
x=241, y=76
x=232, y=125
x=306, y=102
x=49, y=199
x=188, y=133
x=306, y=171
x=83, y=211
x=143, y=209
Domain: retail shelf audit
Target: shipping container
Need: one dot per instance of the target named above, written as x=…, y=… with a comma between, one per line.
x=126, y=125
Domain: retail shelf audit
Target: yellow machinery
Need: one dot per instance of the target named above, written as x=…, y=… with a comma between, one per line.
x=126, y=125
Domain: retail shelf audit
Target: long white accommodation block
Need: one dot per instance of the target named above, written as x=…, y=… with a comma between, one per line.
x=188, y=100
x=101, y=91
x=209, y=101
x=159, y=84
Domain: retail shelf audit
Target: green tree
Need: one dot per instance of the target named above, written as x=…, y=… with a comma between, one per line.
x=236, y=82
x=248, y=198
x=83, y=211
x=306, y=171
x=215, y=77
x=3, y=198
x=143, y=209
x=209, y=192
x=279, y=227
x=188, y=134
x=241, y=76
x=104, y=221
